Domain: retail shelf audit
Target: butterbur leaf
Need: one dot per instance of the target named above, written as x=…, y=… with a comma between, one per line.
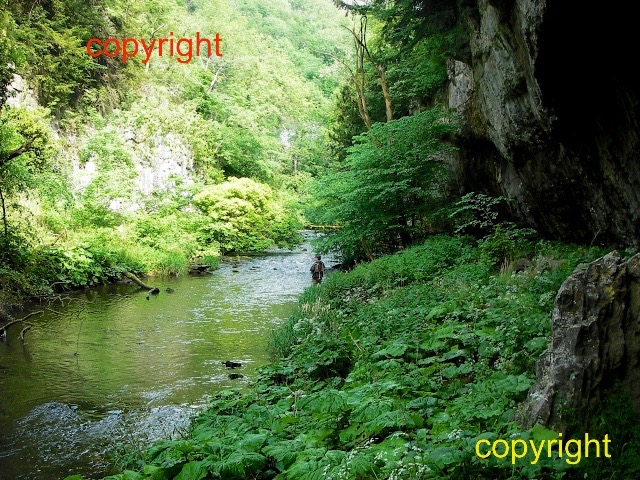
x=192, y=471
x=455, y=352
x=203, y=433
x=538, y=432
x=444, y=456
x=285, y=453
x=370, y=410
x=351, y=433
x=390, y=420
x=308, y=469
x=361, y=466
x=126, y=475
x=184, y=446
x=155, y=472
x=536, y=344
x=154, y=452
x=240, y=465
x=515, y=383
x=328, y=401
x=437, y=312
x=252, y=442
x=396, y=349
x=422, y=402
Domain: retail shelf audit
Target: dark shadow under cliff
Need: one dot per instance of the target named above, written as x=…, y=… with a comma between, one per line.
x=552, y=118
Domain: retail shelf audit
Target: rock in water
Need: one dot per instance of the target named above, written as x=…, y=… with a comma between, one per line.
x=235, y=376
x=595, y=342
x=230, y=364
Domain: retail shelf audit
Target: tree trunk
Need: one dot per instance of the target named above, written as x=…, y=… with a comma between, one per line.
x=17, y=152
x=4, y=214
x=366, y=249
x=363, y=108
x=385, y=91
x=136, y=280
x=360, y=41
x=12, y=321
x=359, y=77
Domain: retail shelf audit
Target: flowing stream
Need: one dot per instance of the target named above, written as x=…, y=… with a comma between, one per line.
x=111, y=370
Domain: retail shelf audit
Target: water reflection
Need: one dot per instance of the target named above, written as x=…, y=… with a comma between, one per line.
x=117, y=369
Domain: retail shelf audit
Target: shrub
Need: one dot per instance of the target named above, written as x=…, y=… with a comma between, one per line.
x=245, y=215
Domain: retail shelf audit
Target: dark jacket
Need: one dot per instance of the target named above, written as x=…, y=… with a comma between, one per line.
x=317, y=270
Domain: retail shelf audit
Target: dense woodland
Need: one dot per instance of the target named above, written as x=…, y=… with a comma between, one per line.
x=317, y=113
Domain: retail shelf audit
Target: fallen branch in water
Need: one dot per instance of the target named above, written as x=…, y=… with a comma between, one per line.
x=25, y=330
x=136, y=280
x=6, y=316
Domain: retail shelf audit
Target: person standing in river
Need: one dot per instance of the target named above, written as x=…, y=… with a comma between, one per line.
x=317, y=271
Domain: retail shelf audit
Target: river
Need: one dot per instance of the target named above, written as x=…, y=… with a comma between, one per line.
x=110, y=370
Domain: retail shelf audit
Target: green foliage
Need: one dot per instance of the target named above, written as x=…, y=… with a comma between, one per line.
x=617, y=420
x=419, y=74
x=502, y=242
x=47, y=41
x=477, y=214
x=111, y=186
x=7, y=52
x=404, y=22
x=23, y=133
x=246, y=216
x=223, y=116
x=394, y=177
x=392, y=370
x=507, y=243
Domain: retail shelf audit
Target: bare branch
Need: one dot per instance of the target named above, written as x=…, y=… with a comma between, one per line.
x=215, y=78
x=17, y=152
x=3, y=329
x=25, y=330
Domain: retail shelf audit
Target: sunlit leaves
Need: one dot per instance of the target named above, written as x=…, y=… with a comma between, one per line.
x=245, y=215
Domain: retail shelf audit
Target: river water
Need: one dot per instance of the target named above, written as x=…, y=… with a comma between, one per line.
x=110, y=370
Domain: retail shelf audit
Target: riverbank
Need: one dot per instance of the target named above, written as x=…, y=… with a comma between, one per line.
x=146, y=245
x=91, y=257
x=392, y=370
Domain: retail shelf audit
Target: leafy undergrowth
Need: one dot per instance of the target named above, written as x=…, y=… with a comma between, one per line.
x=391, y=371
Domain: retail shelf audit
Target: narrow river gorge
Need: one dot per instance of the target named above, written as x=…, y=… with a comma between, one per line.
x=112, y=369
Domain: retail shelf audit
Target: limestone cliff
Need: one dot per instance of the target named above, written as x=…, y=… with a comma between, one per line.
x=595, y=343
x=550, y=114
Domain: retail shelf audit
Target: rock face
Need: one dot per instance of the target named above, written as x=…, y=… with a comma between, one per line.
x=551, y=116
x=595, y=343
x=159, y=164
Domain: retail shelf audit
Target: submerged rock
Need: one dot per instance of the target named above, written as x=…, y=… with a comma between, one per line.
x=595, y=343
